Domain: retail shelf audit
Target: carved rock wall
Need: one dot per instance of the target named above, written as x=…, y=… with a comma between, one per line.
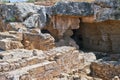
x=102, y=36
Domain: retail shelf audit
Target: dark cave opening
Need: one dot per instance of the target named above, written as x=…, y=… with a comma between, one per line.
x=77, y=36
x=45, y=31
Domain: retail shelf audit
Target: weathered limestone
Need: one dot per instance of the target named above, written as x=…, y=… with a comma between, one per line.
x=21, y=64
x=102, y=36
x=2, y=25
x=66, y=16
x=72, y=60
x=41, y=16
x=12, y=12
x=8, y=44
x=34, y=40
x=64, y=23
x=94, y=26
x=73, y=8
x=14, y=36
x=20, y=12
x=16, y=53
x=10, y=41
x=106, y=70
x=38, y=41
x=32, y=21
x=67, y=41
x=16, y=26
x=107, y=10
x=76, y=75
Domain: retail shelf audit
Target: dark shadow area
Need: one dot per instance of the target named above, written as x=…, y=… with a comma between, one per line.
x=78, y=38
x=45, y=31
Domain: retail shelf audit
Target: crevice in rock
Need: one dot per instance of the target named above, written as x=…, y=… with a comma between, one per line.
x=77, y=38
x=1, y=57
x=27, y=16
x=45, y=31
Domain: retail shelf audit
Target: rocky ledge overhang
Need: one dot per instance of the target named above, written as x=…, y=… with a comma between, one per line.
x=32, y=15
x=29, y=14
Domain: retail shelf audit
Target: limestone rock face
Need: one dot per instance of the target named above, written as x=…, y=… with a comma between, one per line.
x=102, y=36
x=23, y=64
x=93, y=26
x=106, y=70
x=107, y=10
x=64, y=23
x=16, y=26
x=34, y=40
x=32, y=21
x=23, y=9
x=33, y=16
x=68, y=58
x=2, y=25
x=18, y=11
x=73, y=8
x=7, y=12
x=15, y=54
x=67, y=41
x=9, y=41
x=8, y=44
x=38, y=41
x=65, y=16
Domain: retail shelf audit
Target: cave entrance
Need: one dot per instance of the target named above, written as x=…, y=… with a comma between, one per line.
x=45, y=31
x=77, y=36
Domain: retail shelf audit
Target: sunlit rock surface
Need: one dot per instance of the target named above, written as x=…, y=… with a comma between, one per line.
x=39, y=42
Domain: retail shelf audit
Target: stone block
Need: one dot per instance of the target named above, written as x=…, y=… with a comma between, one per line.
x=8, y=44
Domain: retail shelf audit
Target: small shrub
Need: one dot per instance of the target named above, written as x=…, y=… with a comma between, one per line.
x=11, y=19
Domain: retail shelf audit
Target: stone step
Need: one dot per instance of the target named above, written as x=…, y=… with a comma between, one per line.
x=8, y=44
x=16, y=53
x=12, y=64
x=12, y=35
x=41, y=71
x=20, y=58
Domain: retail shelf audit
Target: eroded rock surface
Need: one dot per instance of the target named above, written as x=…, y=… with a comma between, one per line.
x=17, y=40
x=89, y=26
x=40, y=16
x=107, y=10
x=102, y=36
x=106, y=70
x=45, y=66
x=38, y=41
